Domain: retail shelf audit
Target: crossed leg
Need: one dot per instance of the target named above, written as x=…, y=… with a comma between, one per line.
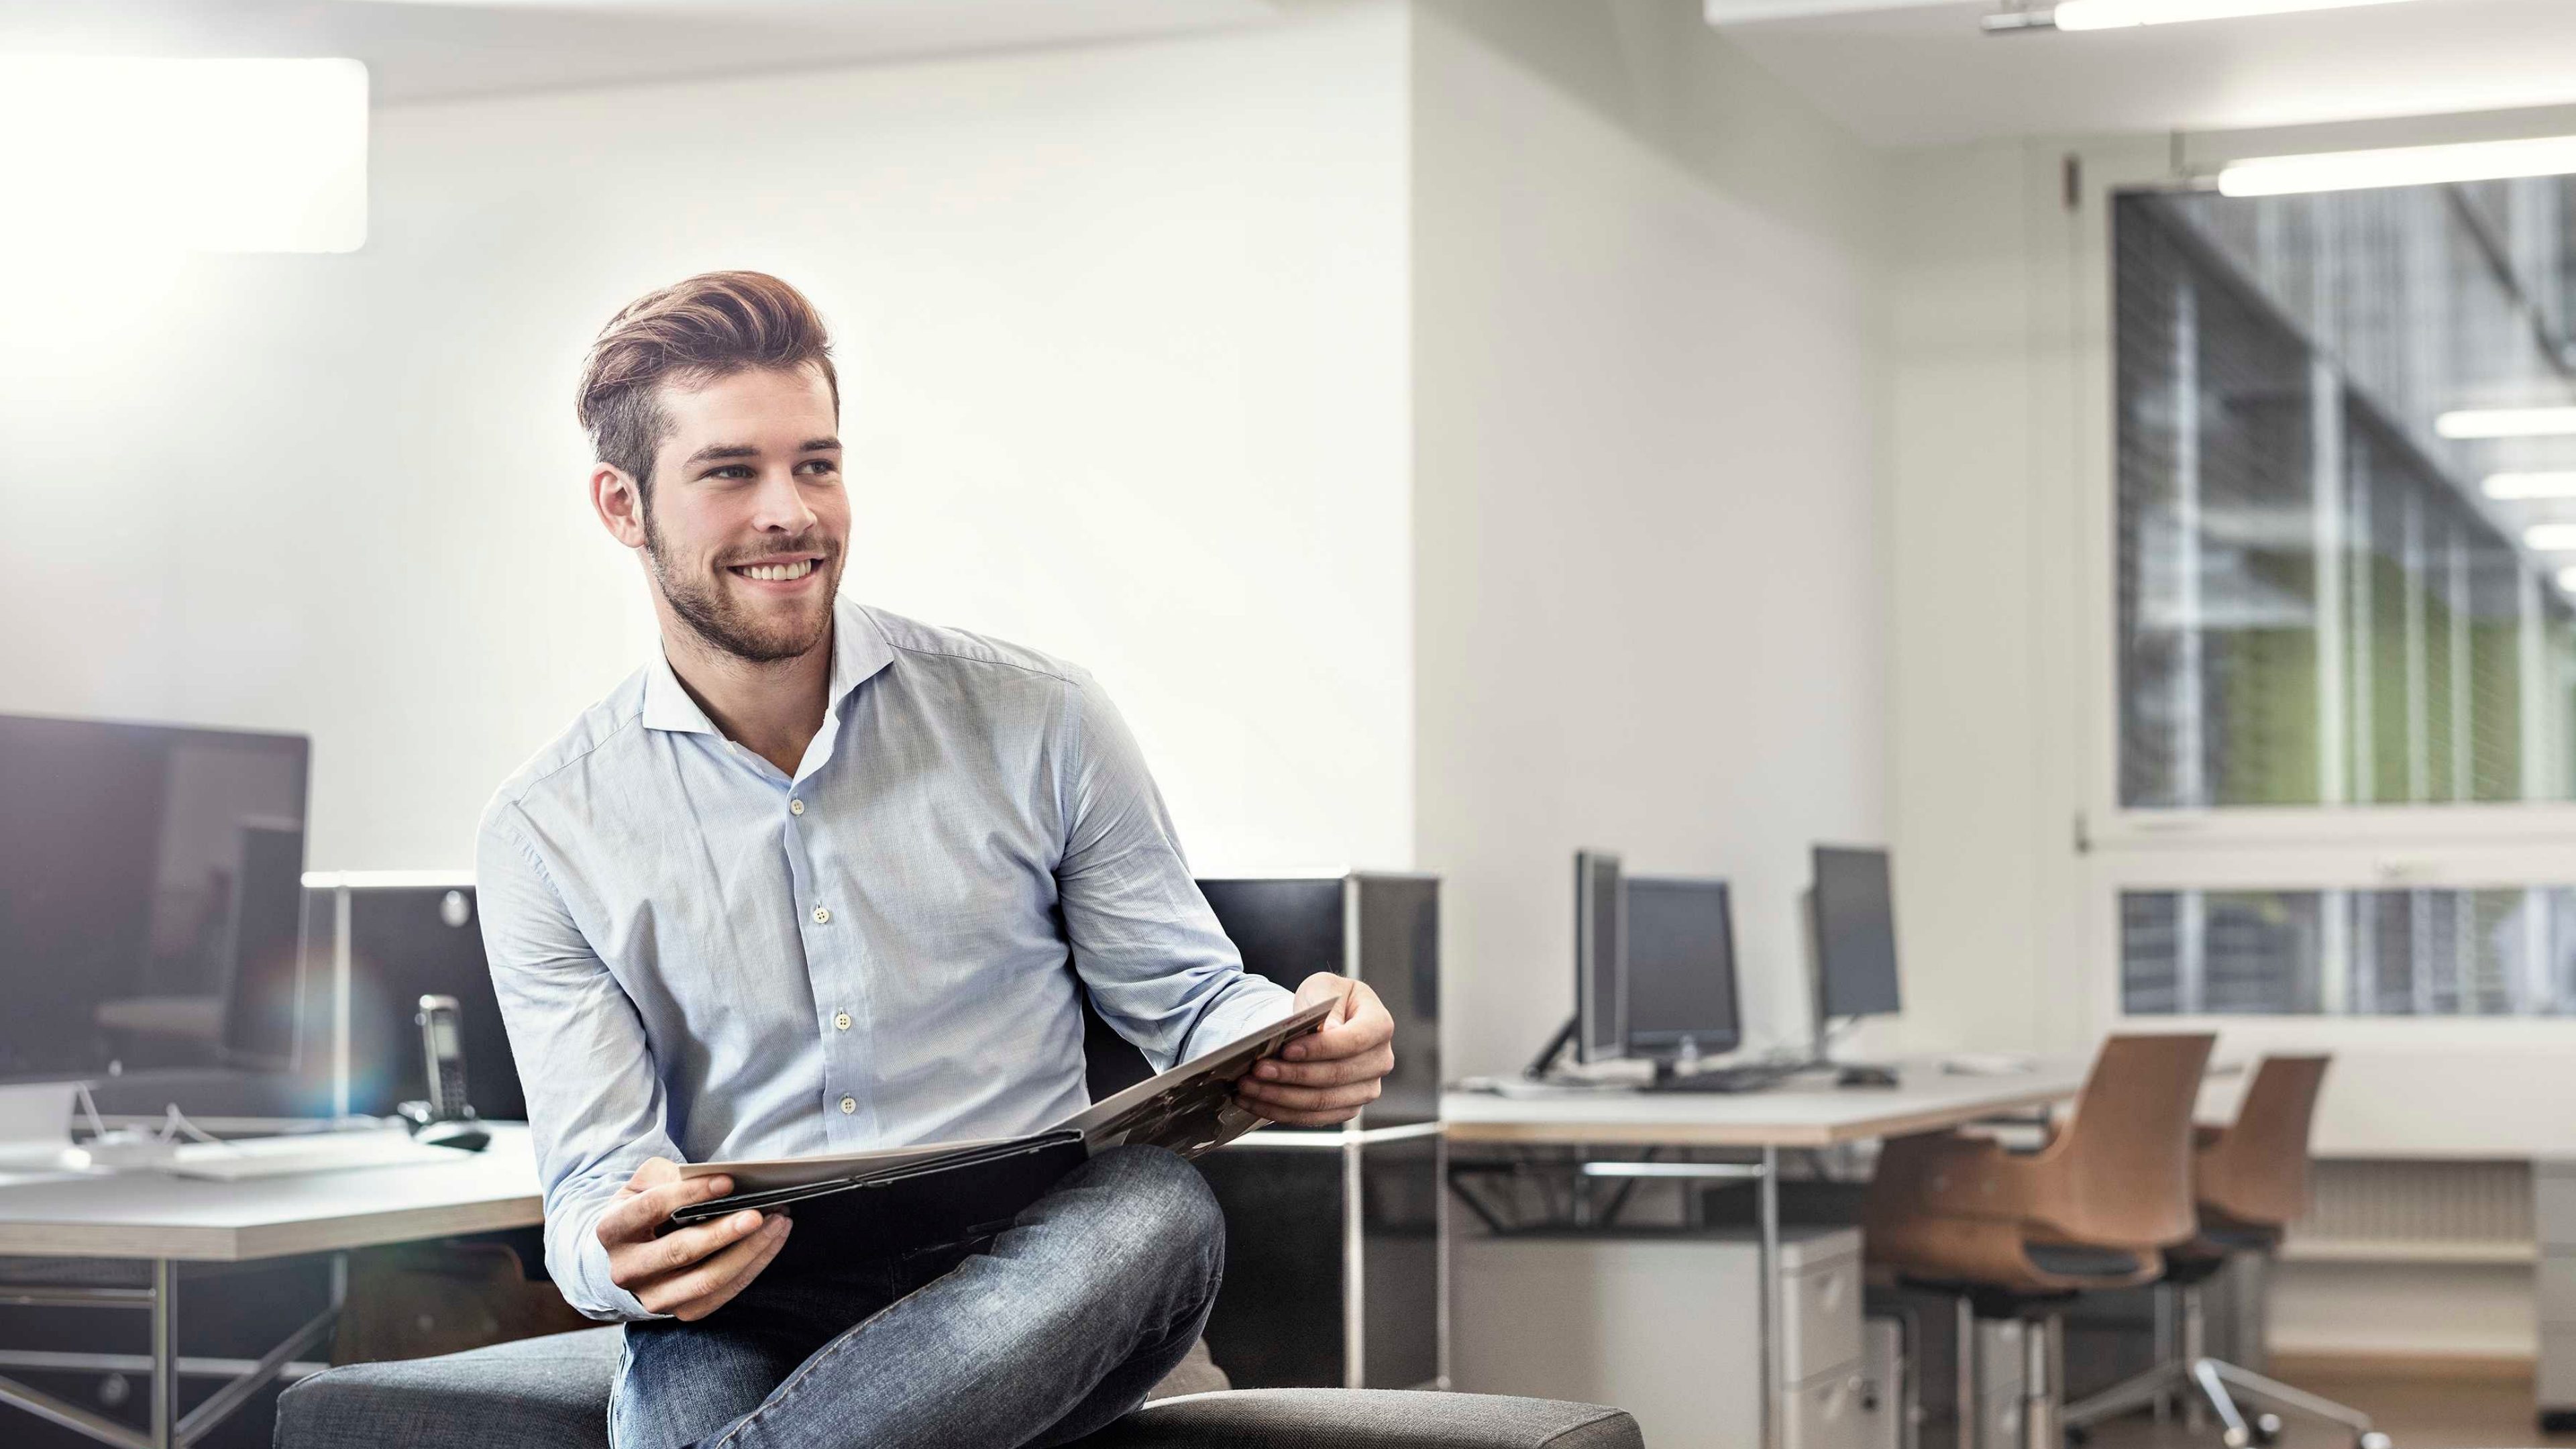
x=1058, y=1327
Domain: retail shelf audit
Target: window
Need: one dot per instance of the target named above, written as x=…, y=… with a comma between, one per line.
x=2345, y=649
x=2500, y=952
x=2317, y=603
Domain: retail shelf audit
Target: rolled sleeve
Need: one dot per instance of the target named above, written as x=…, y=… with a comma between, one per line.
x=1147, y=947
x=595, y=1104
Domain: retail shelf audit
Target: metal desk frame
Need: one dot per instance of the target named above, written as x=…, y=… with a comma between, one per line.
x=169, y=1428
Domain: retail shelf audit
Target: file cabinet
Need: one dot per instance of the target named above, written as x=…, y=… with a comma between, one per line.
x=1667, y=1325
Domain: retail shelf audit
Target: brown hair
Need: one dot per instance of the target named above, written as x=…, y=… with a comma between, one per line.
x=691, y=332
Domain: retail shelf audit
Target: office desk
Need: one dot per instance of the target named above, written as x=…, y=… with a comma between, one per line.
x=1806, y=1113
x=170, y=1220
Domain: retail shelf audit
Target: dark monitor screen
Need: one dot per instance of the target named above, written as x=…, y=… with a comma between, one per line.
x=1855, y=925
x=1681, y=968
x=149, y=896
x=1600, y=958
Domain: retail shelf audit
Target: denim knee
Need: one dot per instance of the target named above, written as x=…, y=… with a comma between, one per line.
x=1160, y=1207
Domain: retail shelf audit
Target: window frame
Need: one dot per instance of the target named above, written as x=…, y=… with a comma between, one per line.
x=2326, y=846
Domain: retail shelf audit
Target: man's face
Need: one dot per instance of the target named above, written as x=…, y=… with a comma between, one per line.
x=748, y=522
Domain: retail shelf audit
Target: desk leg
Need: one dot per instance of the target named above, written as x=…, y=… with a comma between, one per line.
x=1767, y=1265
x=165, y=1352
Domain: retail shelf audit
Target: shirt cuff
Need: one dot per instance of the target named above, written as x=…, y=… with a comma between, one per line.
x=1253, y=1004
x=605, y=1300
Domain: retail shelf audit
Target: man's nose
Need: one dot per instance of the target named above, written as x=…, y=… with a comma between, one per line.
x=781, y=505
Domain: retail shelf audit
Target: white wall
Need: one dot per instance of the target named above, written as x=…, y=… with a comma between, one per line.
x=1124, y=337
x=1649, y=600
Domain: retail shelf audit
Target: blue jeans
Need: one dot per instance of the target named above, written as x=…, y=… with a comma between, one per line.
x=1034, y=1337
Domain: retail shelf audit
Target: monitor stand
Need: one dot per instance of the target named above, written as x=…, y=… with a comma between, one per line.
x=1557, y=1046
x=1672, y=1078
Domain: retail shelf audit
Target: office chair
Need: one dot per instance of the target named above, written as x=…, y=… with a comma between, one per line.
x=2250, y=1180
x=2017, y=1235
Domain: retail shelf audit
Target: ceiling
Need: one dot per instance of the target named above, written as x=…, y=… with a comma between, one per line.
x=1922, y=73
x=432, y=49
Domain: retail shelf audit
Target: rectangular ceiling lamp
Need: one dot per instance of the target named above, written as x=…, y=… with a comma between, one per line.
x=2399, y=166
x=2550, y=537
x=191, y=155
x=2507, y=423
x=2517, y=487
x=2116, y=14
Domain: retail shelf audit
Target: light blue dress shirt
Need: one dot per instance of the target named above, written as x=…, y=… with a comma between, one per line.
x=702, y=958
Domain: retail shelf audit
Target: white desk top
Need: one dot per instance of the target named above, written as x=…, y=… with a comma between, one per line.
x=152, y=1215
x=1807, y=1112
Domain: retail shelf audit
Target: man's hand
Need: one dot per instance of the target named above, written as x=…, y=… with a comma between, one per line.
x=1327, y=1076
x=696, y=1270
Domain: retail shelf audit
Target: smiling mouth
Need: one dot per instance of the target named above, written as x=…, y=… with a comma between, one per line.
x=775, y=573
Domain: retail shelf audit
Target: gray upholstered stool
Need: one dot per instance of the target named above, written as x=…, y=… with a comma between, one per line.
x=552, y=1393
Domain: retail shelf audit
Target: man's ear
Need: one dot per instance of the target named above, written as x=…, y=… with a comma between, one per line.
x=620, y=504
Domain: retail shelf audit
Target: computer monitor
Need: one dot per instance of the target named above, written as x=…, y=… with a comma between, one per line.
x=264, y=1026
x=1853, y=916
x=146, y=907
x=1681, y=970
x=1600, y=958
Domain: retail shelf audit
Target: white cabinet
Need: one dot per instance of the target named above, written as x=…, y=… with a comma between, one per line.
x=1667, y=1327
x=2553, y=1188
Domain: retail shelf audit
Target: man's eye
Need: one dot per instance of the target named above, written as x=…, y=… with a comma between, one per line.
x=730, y=470
x=821, y=467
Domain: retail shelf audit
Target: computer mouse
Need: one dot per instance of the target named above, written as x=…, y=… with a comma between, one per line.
x=1865, y=1077
x=466, y=1135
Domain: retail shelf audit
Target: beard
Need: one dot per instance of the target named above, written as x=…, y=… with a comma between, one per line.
x=716, y=616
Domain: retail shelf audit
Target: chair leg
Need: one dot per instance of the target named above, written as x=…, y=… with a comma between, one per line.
x=1969, y=1401
x=2167, y=1354
x=2195, y=1347
x=2156, y=1387
x=2216, y=1378
x=2147, y=1390
x=2043, y=1383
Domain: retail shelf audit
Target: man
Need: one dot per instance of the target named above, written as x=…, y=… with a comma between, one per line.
x=821, y=879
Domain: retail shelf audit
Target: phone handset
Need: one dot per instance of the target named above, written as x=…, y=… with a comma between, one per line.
x=447, y=1118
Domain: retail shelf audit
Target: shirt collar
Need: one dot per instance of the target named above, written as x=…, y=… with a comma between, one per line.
x=859, y=650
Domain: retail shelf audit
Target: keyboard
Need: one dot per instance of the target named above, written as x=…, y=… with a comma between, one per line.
x=1723, y=1079
x=304, y=1152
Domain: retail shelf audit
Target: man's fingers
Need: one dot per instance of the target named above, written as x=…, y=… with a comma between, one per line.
x=1327, y=1073
x=642, y=1262
x=636, y=1212
x=1368, y=1027
x=776, y=1238
x=1264, y=1095
x=725, y=1273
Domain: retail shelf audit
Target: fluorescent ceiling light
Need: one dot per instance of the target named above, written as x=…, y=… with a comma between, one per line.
x=2506, y=423
x=2115, y=14
x=2399, y=166
x=2567, y=580
x=2513, y=487
x=186, y=155
x=2551, y=537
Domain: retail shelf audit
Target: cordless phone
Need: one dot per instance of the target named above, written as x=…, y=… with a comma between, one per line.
x=447, y=1118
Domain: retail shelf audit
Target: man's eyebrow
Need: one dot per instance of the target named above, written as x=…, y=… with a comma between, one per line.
x=714, y=452
x=820, y=445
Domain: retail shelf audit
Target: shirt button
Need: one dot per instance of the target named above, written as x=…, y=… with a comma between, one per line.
x=849, y=1105
x=822, y=915
x=795, y=807
x=841, y=1019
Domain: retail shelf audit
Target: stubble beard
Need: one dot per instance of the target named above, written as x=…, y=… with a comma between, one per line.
x=716, y=617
